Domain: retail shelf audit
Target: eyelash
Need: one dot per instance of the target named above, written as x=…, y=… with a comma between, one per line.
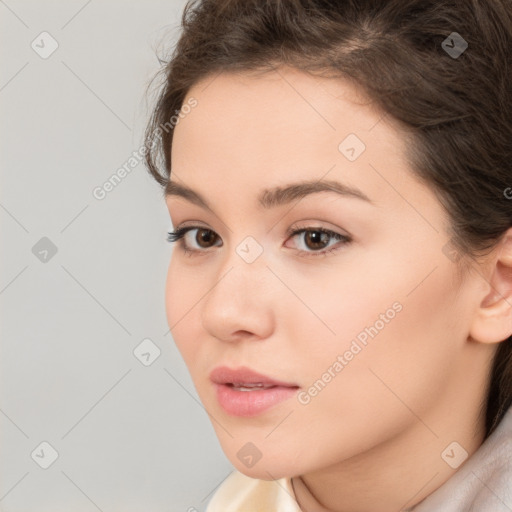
x=178, y=234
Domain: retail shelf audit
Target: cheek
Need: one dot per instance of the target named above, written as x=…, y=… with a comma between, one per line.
x=396, y=343
x=413, y=351
x=394, y=307
x=182, y=296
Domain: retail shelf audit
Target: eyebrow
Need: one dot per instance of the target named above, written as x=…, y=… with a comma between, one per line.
x=278, y=196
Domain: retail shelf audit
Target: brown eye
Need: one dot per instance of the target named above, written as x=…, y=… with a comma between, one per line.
x=204, y=237
x=190, y=243
x=315, y=240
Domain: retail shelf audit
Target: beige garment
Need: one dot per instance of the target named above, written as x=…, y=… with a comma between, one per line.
x=240, y=493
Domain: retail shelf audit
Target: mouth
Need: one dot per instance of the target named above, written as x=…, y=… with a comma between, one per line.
x=244, y=392
x=249, y=387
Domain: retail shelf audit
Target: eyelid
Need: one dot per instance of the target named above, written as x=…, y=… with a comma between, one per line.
x=306, y=225
x=316, y=224
x=191, y=223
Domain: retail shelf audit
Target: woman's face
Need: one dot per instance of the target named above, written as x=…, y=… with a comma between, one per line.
x=366, y=333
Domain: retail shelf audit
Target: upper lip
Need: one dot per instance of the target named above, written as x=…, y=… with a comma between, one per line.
x=244, y=375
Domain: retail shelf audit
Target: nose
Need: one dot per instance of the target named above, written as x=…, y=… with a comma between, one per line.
x=240, y=304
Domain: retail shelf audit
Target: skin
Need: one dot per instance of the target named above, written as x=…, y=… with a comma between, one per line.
x=372, y=438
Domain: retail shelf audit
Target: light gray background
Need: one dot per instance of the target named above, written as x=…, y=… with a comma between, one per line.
x=129, y=437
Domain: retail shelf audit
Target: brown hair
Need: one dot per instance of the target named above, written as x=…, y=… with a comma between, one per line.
x=456, y=102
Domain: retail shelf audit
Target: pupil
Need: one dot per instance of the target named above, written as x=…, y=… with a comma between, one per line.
x=205, y=236
x=316, y=236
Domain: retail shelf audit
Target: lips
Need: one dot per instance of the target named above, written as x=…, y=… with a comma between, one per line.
x=245, y=392
x=245, y=377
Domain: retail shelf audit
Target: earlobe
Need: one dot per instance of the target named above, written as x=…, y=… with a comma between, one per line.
x=493, y=319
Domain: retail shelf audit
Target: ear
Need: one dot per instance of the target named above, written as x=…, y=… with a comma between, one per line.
x=493, y=319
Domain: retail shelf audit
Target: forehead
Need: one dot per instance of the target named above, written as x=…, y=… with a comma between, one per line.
x=250, y=132
x=272, y=101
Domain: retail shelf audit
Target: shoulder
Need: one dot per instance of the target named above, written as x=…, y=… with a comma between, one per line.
x=240, y=493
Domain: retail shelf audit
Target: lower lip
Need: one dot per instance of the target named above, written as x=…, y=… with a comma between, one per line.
x=251, y=403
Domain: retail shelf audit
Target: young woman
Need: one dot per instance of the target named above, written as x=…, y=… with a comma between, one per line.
x=338, y=174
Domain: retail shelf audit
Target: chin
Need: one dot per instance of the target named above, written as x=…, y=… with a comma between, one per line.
x=270, y=466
